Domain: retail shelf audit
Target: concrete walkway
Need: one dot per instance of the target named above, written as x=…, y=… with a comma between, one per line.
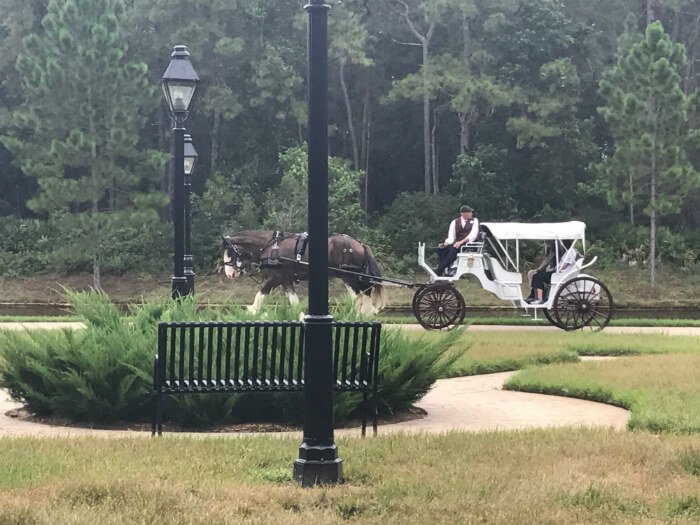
x=475, y=403
x=663, y=330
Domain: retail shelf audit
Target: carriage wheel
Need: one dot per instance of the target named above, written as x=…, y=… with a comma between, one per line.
x=438, y=306
x=583, y=302
x=549, y=315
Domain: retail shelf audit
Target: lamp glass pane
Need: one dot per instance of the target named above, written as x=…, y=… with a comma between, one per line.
x=181, y=94
x=189, y=165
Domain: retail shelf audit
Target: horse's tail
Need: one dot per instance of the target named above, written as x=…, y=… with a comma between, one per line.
x=371, y=267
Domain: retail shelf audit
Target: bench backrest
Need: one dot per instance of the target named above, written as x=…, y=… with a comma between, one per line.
x=258, y=356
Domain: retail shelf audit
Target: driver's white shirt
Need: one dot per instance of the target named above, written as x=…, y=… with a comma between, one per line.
x=452, y=232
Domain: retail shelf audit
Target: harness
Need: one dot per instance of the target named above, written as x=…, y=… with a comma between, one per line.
x=300, y=246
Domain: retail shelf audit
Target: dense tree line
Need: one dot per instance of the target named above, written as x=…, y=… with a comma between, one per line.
x=525, y=109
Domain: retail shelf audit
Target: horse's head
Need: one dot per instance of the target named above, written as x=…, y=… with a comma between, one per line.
x=234, y=259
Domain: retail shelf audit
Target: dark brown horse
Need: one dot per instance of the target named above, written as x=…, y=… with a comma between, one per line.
x=275, y=255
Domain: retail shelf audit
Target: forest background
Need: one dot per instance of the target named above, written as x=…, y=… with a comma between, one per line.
x=527, y=110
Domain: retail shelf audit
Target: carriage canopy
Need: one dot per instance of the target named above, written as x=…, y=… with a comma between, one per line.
x=544, y=231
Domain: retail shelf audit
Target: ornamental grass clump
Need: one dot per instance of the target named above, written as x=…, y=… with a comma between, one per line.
x=104, y=373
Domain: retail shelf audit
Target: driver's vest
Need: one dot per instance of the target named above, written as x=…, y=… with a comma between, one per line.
x=462, y=231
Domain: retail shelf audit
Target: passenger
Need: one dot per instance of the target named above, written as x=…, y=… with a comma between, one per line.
x=544, y=275
x=546, y=263
x=463, y=229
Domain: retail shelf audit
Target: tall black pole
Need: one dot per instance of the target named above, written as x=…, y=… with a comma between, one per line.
x=179, y=281
x=188, y=260
x=318, y=461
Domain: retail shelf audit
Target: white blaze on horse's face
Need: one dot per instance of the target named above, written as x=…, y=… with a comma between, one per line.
x=229, y=270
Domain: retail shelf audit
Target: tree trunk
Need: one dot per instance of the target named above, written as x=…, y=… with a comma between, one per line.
x=96, y=278
x=366, y=134
x=427, y=161
x=465, y=119
x=652, y=224
x=676, y=25
x=651, y=14
x=631, y=180
x=351, y=123
x=164, y=145
x=433, y=152
x=691, y=40
x=216, y=131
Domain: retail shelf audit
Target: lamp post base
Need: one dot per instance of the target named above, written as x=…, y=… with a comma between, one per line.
x=180, y=287
x=318, y=465
x=189, y=273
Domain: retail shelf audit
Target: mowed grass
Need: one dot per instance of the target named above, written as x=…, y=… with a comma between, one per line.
x=661, y=391
x=556, y=476
x=490, y=352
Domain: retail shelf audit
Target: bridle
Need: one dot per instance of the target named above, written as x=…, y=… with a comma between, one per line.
x=241, y=255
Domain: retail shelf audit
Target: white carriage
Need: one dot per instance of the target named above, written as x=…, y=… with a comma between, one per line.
x=572, y=300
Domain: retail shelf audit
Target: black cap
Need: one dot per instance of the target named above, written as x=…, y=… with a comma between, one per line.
x=465, y=209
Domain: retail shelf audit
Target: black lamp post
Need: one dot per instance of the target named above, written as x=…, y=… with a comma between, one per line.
x=318, y=461
x=179, y=84
x=188, y=260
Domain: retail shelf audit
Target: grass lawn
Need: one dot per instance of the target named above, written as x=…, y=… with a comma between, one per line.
x=489, y=352
x=556, y=476
x=661, y=391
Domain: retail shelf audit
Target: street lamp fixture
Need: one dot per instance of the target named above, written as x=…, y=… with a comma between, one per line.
x=179, y=84
x=190, y=156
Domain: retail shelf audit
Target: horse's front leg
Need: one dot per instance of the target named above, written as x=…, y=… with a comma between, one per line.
x=268, y=285
x=291, y=294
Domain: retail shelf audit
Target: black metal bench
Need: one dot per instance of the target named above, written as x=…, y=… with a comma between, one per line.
x=242, y=357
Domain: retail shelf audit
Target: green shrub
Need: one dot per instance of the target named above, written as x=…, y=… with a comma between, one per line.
x=104, y=372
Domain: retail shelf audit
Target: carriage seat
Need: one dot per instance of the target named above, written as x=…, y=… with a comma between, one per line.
x=571, y=272
x=500, y=274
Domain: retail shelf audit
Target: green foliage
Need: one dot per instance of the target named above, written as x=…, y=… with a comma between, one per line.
x=414, y=217
x=286, y=205
x=104, y=372
x=480, y=180
x=630, y=244
x=651, y=119
x=31, y=246
x=225, y=206
x=85, y=103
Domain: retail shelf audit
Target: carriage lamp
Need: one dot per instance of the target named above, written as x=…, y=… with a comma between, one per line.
x=179, y=82
x=190, y=156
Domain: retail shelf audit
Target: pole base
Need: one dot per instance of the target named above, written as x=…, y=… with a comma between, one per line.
x=318, y=465
x=180, y=287
x=314, y=473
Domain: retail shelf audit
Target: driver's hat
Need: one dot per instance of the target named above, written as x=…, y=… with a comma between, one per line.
x=466, y=208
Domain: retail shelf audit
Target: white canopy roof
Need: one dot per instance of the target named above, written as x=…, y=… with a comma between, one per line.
x=536, y=231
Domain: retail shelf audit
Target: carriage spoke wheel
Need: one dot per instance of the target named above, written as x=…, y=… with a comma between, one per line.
x=583, y=302
x=549, y=315
x=438, y=306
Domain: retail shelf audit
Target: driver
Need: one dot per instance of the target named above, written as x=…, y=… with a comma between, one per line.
x=462, y=230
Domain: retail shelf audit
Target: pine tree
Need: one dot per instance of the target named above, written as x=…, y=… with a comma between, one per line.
x=78, y=129
x=650, y=120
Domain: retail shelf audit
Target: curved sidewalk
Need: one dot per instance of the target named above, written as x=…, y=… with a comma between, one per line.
x=474, y=403
x=662, y=330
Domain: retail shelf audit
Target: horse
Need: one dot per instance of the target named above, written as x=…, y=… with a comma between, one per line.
x=278, y=257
